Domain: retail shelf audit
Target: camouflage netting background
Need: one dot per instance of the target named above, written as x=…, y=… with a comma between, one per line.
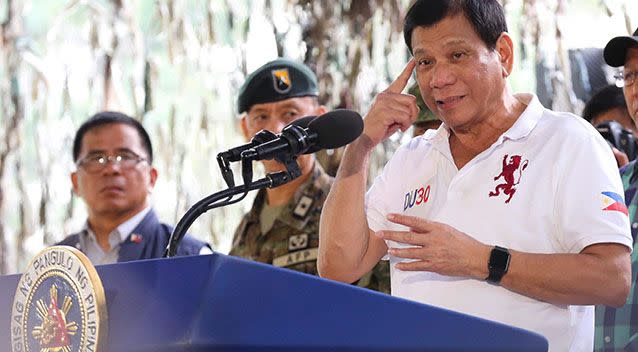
x=176, y=65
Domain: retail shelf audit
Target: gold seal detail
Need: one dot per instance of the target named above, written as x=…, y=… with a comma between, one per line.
x=59, y=305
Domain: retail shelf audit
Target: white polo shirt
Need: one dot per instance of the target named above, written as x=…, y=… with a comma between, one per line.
x=565, y=192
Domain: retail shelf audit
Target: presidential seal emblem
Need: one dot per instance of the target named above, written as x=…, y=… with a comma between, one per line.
x=59, y=305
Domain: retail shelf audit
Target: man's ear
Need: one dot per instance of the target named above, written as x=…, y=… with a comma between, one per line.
x=152, y=180
x=505, y=50
x=321, y=110
x=74, y=183
x=244, y=127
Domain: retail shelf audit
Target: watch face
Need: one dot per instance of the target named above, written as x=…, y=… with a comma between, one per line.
x=499, y=259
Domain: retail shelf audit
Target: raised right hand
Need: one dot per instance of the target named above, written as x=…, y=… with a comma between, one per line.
x=391, y=110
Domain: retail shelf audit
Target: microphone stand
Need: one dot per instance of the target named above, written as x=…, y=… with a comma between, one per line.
x=213, y=201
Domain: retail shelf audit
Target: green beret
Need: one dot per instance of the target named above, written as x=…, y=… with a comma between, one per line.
x=277, y=80
x=425, y=114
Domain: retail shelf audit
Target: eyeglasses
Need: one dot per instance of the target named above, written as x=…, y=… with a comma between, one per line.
x=97, y=162
x=625, y=78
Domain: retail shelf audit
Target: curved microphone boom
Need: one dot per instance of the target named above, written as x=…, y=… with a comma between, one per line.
x=328, y=131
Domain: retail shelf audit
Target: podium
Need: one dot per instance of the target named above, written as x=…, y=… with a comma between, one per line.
x=222, y=303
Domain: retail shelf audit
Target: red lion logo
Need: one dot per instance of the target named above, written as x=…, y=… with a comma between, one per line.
x=509, y=175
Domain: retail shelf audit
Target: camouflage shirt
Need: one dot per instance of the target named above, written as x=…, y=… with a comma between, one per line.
x=293, y=240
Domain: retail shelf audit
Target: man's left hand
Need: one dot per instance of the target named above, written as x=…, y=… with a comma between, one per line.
x=437, y=247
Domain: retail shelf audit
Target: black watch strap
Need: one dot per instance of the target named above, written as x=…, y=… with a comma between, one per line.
x=498, y=264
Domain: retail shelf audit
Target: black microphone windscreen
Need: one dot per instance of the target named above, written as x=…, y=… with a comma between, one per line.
x=303, y=122
x=337, y=128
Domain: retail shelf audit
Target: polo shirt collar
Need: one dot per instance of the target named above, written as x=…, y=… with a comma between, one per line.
x=520, y=129
x=528, y=119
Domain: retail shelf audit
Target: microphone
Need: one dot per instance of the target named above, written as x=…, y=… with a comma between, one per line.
x=328, y=131
x=234, y=154
x=263, y=136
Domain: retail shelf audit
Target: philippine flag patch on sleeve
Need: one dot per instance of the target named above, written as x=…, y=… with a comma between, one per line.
x=613, y=201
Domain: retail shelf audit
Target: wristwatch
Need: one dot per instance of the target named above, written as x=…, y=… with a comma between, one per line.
x=498, y=264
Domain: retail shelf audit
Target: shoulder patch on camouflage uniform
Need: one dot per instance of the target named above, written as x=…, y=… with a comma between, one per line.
x=303, y=207
x=296, y=242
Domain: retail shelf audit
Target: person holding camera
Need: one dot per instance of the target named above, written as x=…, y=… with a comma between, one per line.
x=607, y=111
x=617, y=328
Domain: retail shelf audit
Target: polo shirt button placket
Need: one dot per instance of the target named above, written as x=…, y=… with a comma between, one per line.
x=634, y=225
x=607, y=339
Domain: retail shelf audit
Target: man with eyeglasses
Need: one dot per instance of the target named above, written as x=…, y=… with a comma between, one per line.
x=617, y=328
x=114, y=177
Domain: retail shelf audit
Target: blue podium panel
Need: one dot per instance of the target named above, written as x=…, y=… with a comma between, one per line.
x=222, y=303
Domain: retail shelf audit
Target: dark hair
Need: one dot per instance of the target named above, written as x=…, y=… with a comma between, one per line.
x=608, y=98
x=106, y=118
x=486, y=16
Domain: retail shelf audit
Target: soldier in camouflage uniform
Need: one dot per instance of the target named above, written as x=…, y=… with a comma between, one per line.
x=282, y=227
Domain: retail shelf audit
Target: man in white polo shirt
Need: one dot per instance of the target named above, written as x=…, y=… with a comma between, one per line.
x=508, y=211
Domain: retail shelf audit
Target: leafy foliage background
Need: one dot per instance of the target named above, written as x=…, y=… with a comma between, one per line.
x=176, y=65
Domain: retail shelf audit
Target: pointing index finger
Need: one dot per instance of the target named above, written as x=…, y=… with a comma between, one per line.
x=400, y=82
